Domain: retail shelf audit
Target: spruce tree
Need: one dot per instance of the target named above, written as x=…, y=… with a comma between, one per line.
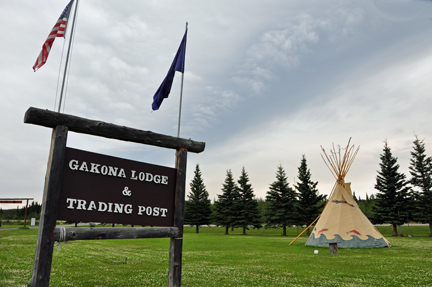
x=421, y=177
x=393, y=193
x=247, y=205
x=225, y=211
x=281, y=203
x=310, y=203
x=198, y=206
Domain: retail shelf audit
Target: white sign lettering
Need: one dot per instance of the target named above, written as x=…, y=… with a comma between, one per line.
x=117, y=172
x=152, y=211
x=110, y=207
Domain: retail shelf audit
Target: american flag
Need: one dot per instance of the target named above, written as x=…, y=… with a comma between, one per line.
x=58, y=30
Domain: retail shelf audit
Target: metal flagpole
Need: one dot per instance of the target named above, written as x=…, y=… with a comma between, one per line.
x=181, y=95
x=67, y=56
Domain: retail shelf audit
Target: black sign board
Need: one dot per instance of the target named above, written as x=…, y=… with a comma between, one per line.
x=106, y=189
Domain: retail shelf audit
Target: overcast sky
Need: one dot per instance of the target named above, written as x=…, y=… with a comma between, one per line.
x=265, y=82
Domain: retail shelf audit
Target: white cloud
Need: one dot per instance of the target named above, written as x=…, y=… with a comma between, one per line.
x=203, y=113
x=288, y=43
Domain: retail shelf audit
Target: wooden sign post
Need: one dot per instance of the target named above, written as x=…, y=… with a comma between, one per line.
x=48, y=233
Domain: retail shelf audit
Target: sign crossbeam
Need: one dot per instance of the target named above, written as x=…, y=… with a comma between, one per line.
x=10, y=201
x=52, y=119
x=16, y=198
x=113, y=233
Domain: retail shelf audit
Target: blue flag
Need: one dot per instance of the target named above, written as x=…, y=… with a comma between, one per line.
x=177, y=65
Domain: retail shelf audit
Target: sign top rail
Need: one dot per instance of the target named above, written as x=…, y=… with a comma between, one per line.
x=52, y=119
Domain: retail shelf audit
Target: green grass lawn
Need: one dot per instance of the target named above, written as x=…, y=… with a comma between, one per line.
x=210, y=258
x=11, y=224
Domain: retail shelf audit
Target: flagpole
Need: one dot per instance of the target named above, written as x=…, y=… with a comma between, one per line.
x=67, y=56
x=181, y=96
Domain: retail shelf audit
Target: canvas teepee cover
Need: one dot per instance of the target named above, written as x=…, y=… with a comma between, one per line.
x=342, y=221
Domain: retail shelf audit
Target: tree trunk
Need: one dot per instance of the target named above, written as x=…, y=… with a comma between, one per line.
x=430, y=227
x=394, y=227
x=226, y=229
x=284, y=231
x=308, y=231
x=197, y=228
x=244, y=230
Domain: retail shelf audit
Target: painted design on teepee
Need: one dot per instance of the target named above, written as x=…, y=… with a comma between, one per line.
x=342, y=221
x=354, y=231
x=354, y=242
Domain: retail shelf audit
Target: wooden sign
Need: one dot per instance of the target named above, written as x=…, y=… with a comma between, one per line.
x=100, y=196
x=106, y=189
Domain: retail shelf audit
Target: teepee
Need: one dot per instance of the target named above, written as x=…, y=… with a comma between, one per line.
x=342, y=221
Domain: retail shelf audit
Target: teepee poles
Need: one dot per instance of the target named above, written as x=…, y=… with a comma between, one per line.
x=305, y=229
x=340, y=163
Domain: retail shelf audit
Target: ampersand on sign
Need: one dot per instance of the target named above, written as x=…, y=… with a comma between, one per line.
x=126, y=191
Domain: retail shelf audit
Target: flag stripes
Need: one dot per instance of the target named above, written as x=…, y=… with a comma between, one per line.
x=58, y=30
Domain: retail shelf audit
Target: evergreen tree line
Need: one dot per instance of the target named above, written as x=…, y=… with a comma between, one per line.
x=237, y=206
x=33, y=211
x=398, y=200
